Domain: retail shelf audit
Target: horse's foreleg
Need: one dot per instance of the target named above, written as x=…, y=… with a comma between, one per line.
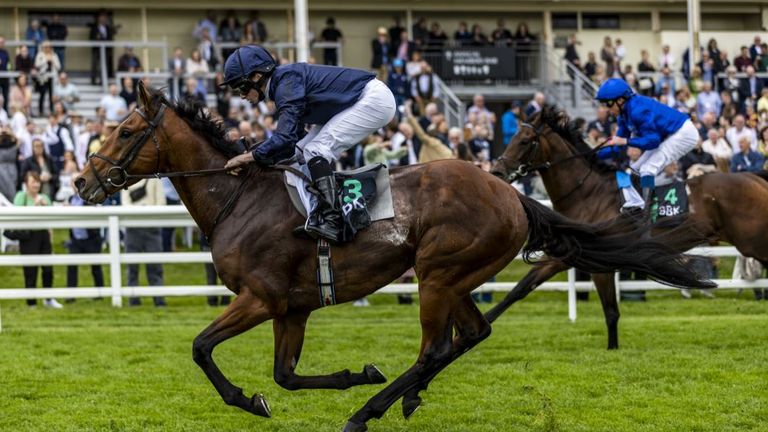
x=606, y=289
x=436, y=326
x=471, y=328
x=289, y=338
x=243, y=314
x=538, y=275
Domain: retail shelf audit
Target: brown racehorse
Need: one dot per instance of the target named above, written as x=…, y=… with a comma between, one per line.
x=455, y=224
x=727, y=207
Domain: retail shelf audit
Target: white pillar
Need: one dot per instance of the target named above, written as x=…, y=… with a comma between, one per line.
x=301, y=28
x=694, y=27
x=409, y=23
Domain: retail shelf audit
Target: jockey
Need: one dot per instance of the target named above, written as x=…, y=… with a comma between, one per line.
x=342, y=105
x=664, y=134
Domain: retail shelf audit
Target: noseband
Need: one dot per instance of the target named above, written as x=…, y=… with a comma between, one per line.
x=526, y=166
x=117, y=174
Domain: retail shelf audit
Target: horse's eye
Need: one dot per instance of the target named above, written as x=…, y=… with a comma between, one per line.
x=125, y=133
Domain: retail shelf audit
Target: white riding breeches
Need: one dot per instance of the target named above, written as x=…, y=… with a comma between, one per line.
x=677, y=145
x=372, y=111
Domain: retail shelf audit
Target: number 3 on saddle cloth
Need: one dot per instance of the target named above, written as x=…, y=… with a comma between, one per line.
x=364, y=196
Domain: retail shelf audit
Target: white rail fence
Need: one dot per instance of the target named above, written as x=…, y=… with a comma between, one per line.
x=113, y=219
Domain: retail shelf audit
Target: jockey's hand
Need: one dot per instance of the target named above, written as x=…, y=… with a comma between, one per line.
x=238, y=161
x=617, y=140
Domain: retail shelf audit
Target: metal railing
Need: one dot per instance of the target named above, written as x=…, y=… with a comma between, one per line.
x=454, y=109
x=102, y=46
x=115, y=218
x=283, y=49
x=561, y=77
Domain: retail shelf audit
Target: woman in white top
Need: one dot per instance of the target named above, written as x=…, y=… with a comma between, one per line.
x=197, y=67
x=48, y=67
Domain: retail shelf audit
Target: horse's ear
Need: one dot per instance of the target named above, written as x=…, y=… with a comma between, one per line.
x=145, y=100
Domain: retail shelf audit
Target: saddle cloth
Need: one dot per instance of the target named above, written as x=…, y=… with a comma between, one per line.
x=378, y=209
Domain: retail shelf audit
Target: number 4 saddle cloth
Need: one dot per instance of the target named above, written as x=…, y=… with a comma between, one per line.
x=669, y=200
x=365, y=197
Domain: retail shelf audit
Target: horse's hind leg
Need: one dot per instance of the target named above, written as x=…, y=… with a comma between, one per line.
x=289, y=338
x=438, y=350
x=243, y=314
x=538, y=275
x=606, y=289
x=471, y=328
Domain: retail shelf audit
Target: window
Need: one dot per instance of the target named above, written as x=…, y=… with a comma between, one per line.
x=599, y=21
x=564, y=21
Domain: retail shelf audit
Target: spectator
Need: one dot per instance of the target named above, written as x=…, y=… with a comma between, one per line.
x=478, y=37
x=666, y=79
x=707, y=68
x=746, y=159
x=395, y=32
x=129, y=94
x=168, y=234
x=332, y=34
x=198, y=68
x=128, y=62
x=708, y=101
x=35, y=242
x=571, y=55
x=148, y=240
x=431, y=148
x=207, y=23
x=114, y=106
x=192, y=91
x=249, y=37
x=420, y=33
x=714, y=54
x=57, y=31
x=743, y=60
x=42, y=164
x=696, y=159
x=404, y=138
x=750, y=87
x=48, y=67
x=724, y=63
x=380, y=54
x=84, y=241
x=405, y=49
x=739, y=130
x=177, y=66
x=66, y=92
x=535, y=105
x=377, y=150
x=35, y=34
x=590, y=68
x=58, y=140
x=423, y=87
x=24, y=135
x=508, y=123
x=258, y=29
x=719, y=148
x=23, y=62
x=397, y=81
x=729, y=108
x=9, y=156
x=21, y=95
x=602, y=123
x=666, y=59
x=484, y=115
x=756, y=49
x=5, y=60
x=101, y=31
x=608, y=55
x=66, y=178
x=762, y=144
x=501, y=36
x=761, y=62
x=208, y=51
x=462, y=35
x=762, y=104
x=456, y=140
x=480, y=145
x=414, y=66
x=620, y=52
x=525, y=43
x=229, y=32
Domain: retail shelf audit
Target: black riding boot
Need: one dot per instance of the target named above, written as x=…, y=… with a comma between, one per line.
x=648, y=198
x=326, y=220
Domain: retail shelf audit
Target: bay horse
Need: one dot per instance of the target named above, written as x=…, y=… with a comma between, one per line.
x=724, y=207
x=456, y=225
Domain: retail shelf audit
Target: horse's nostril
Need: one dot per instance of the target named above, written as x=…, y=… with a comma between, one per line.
x=80, y=184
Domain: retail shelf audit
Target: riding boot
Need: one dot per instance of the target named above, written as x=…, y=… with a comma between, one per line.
x=325, y=221
x=647, y=183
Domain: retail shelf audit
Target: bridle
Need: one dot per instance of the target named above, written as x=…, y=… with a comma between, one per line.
x=527, y=166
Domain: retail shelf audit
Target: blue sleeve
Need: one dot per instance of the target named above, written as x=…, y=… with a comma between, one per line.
x=759, y=160
x=622, y=131
x=648, y=138
x=290, y=99
x=609, y=152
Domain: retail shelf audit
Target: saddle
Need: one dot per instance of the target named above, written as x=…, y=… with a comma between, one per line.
x=365, y=196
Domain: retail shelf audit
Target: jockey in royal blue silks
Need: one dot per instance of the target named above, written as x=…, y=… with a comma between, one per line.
x=342, y=105
x=664, y=135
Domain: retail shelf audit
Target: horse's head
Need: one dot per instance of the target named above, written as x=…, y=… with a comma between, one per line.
x=134, y=146
x=533, y=146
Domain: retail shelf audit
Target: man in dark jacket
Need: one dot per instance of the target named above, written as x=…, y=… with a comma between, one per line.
x=57, y=31
x=343, y=106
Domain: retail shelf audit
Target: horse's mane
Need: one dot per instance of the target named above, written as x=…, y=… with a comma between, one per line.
x=200, y=119
x=569, y=130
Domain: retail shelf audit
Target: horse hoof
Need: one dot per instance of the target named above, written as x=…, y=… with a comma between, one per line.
x=374, y=374
x=259, y=406
x=354, y=427
x=410, y=406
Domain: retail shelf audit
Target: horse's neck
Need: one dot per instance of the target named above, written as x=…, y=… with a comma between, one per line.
x=575, y=183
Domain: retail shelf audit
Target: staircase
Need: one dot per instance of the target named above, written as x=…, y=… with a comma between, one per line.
x=569, y=88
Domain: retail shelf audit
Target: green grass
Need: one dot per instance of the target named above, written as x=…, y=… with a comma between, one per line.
x=695, y=365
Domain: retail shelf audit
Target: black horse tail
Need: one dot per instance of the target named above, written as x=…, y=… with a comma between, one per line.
x=619, y=244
